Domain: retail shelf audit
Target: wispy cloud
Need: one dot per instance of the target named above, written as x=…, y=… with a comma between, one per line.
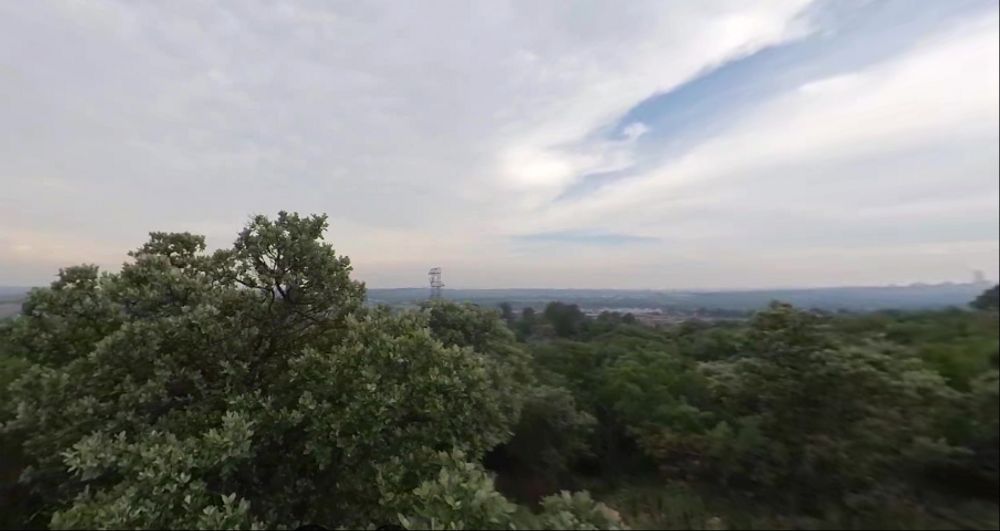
x=584, y=237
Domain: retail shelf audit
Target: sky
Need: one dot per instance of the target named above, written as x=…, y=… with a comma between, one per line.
x=591, y=144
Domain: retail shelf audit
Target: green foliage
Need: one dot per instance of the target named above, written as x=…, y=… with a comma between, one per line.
x=244, y=388
x=576, y=511
x=989, y=300
x=250, y=388
x=802, y=410
x=830, y=420
x=566, y=319
x=796, y=412
x=15, y=510
x=507, y=313
x=525, y=326
x=963, y=348
x=65, y=321
x=652, y=388
x=551, y=433
x=469, y=327
x=672, y=506
x=979, y=428
x=462, y=496
x=957, y=344
x=162, y=481
x=675, y=505
x=709, y=343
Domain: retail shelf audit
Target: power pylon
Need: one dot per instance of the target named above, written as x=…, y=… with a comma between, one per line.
x=436, y=283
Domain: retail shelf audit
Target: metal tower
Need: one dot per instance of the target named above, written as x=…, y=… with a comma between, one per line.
x=436, y=284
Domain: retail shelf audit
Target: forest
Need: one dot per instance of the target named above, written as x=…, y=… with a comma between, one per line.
x=251, y=388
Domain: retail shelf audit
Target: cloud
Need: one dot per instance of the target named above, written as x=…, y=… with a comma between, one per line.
x=431, y=132
x=584, y=237
x=941, y=98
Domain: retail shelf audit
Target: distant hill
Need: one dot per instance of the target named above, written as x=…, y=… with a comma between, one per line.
x=912, y=297
x=13, y=292
x=10, y=300
x=856, y=299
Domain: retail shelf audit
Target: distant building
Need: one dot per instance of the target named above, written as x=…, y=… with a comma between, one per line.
x=979, y=278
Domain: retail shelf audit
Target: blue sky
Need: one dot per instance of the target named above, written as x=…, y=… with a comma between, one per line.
x=848, y=35
x=647, y=144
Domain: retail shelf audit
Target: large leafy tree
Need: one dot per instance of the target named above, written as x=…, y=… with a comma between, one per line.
x=245, y=387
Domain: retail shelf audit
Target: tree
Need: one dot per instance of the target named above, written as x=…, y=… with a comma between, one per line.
x=566, y=319
x=552, y=433
x=247, y=387
x=471, y=327
x=65, y=321
x=507, y=313
x=802, y=412
x=988, y=300
x=526, y=325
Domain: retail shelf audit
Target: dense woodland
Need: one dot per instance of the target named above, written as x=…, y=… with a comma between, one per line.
x=252, y=388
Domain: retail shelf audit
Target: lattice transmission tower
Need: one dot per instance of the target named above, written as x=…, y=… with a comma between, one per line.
x=436, y=283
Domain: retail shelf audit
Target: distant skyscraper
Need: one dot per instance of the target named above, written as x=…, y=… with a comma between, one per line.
x=978, y=277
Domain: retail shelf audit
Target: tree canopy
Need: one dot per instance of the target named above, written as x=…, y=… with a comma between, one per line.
x=252, y=387
x=249, y=387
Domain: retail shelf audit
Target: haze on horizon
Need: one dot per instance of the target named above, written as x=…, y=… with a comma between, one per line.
x=640, y=144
